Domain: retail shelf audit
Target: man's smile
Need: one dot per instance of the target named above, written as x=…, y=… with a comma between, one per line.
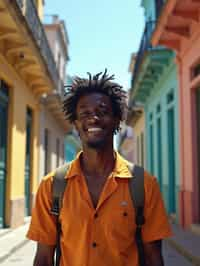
x=95, y=129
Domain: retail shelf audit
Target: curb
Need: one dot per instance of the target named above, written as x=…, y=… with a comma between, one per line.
x=188, y=255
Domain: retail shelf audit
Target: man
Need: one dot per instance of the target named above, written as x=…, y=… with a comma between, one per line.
x=97, y=216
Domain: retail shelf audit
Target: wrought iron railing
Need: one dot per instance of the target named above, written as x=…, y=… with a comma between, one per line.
x=30, y=13
x=145, y=45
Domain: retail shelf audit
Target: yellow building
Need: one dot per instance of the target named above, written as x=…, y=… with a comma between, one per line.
x=136, y=120
x=27, y=73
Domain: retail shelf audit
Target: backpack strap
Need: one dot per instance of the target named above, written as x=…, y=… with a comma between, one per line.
x=136, y=186
x=58, y=187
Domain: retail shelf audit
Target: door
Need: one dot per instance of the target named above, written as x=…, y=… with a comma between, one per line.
x=152, y=149
x=3, y=149
x=171, y=161
x=198, y=139
x=28, y=161
x=159, y=152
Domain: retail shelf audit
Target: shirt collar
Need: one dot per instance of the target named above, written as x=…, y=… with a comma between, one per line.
x=122, y=168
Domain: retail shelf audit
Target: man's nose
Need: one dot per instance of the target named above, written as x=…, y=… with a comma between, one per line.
x=93, y=117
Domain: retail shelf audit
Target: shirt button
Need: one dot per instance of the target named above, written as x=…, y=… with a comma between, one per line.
x=96, y=215
x=94, y=244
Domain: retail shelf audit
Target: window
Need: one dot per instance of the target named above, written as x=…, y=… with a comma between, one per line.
x=170, y=97
x=158, y=109
x=151, y=116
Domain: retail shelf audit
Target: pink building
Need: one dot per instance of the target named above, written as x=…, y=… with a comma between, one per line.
x=179, y=28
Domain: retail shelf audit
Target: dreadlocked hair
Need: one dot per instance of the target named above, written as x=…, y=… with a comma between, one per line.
x=100, y=83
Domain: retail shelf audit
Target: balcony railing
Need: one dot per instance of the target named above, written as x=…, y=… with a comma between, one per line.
x=145, y=45
x=29, y=11
x=159, y=6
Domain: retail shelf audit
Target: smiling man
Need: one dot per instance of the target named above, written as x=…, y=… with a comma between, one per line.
x=97, y=215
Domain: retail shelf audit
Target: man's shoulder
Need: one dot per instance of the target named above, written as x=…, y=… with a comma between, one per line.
x=50, y=175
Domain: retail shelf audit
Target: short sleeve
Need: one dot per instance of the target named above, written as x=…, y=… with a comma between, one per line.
x=43, y=224
x=156, y=225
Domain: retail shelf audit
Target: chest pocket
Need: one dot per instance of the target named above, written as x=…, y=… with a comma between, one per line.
x=121, y=227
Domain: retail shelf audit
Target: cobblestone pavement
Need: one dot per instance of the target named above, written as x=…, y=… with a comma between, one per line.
x=24, y=256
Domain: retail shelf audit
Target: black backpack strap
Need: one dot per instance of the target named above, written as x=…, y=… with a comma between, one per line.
x=136, y=186
x=58, y=188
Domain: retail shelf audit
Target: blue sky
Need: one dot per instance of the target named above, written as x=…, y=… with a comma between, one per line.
x=102, y=34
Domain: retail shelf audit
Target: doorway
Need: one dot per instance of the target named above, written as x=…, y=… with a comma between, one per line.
x=171, y=160
x=29, y=120
x=198, y=142
x=3, y=148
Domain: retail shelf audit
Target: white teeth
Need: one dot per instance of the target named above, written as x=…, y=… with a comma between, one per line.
x=94, y=129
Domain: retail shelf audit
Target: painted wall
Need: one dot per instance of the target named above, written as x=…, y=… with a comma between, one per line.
x=47, y=121
x=138, y=129
x=21, y=97
x=190, y=181
x=55, y=42
x=127, y=143
x=159, y=97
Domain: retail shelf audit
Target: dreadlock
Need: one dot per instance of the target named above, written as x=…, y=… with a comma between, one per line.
x=100, y=83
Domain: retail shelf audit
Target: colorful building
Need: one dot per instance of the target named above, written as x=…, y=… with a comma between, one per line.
x=53, y=126
x=178, y=28
x=126, y=143
x=136, y=120
x=27, y=72
x=154, y=86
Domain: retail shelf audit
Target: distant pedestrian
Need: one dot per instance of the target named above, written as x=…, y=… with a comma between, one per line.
x=98, y=218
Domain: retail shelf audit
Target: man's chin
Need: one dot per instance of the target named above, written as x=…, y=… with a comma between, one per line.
x=96, y=144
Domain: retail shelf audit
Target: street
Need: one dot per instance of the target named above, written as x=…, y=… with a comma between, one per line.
x=24, y=257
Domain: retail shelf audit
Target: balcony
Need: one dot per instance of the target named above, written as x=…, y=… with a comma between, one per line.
x=30, y=13
x=26, y=48
x=145, y=46
x=177, y=20
x=149, y=64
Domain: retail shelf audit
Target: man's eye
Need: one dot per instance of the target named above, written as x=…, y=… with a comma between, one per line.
x=103, y=112
x=84, y=114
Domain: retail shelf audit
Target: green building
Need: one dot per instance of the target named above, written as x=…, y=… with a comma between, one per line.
x=154, y=85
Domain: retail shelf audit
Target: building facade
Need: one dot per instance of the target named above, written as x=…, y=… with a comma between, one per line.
x=154, y=85
x=27, y=73
x=53, y=126
x=178, y=28
x=136, y=119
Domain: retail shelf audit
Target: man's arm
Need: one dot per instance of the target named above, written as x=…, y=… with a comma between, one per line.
x=153, y=253
x=44, y=255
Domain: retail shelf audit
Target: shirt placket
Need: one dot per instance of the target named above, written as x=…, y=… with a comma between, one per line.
x=95, y=244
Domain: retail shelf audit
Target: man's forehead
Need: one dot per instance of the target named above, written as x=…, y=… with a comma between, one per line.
x=94, y=98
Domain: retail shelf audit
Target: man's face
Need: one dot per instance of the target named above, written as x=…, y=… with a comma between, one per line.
x=95, y=121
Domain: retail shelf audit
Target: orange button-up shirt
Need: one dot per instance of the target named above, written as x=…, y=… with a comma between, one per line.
x=103, y=236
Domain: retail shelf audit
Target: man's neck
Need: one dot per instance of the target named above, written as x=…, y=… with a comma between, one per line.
x=98, y=163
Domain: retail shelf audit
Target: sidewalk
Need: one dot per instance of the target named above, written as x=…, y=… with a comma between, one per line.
x=12, y=240
x=185, y=242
